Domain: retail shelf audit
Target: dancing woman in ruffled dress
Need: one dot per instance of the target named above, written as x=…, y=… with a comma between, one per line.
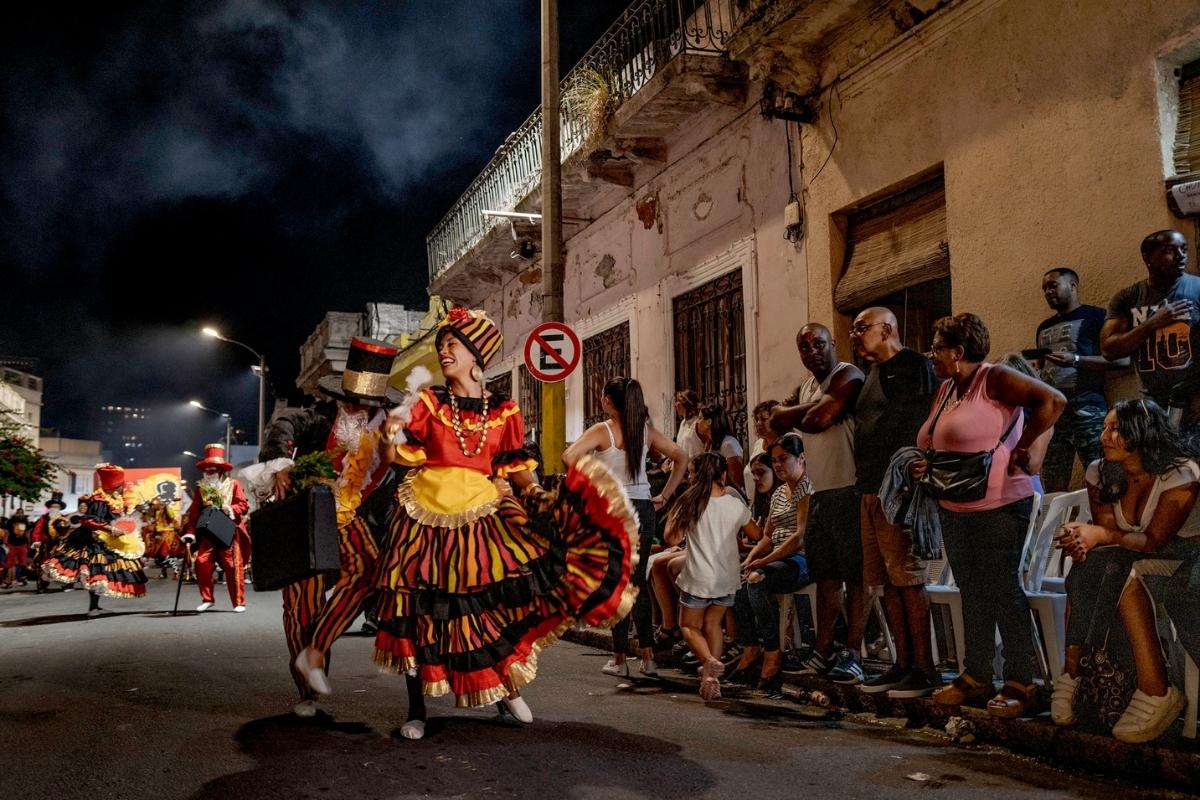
x=473, y=581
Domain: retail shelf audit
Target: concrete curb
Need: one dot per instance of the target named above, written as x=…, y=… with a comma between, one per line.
x=1171, y=762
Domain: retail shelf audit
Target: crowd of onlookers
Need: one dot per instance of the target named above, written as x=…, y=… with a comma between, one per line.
x=872, y=470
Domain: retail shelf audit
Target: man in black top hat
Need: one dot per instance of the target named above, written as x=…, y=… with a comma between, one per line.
x=41, y=537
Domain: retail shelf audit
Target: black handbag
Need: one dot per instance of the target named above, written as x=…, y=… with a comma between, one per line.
x=959, y=477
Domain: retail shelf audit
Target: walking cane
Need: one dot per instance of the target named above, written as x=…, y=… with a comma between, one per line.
x=179, y=581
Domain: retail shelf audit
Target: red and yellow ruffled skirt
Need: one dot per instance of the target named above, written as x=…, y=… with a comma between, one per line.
x=469, y=607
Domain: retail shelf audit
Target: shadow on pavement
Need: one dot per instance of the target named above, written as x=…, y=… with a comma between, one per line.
x=461, y=756
x=55, y=619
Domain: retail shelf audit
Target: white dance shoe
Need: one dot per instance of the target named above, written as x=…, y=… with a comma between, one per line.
x=314, y=676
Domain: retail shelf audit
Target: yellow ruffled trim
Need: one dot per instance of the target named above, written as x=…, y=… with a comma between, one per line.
x=131, y=546
x=517, y=466
x=412, y=506
x=507, y=410
x=354, y=474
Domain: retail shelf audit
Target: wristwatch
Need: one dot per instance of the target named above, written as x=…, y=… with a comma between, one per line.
x=1075, y=361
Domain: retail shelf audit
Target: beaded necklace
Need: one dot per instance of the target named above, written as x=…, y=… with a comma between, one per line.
x=461, y=430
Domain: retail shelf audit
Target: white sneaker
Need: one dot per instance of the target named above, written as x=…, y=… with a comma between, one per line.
x=413, y=729
x=314, y=676
x=1062, y=701
x=239, y=609
x=305, y=708
x=204, y=607
x=519, y=709
x=1146, y=718
x=648, y=668
x=618, y=670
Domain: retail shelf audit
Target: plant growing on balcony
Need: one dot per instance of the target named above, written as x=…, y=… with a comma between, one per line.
x=594, y=96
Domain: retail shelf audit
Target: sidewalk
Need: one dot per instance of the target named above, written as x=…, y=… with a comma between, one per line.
x=1172, y=761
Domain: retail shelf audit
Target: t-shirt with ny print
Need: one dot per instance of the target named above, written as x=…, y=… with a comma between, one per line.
x=1166, y=360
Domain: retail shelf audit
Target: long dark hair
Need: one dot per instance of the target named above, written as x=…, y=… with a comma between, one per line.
x=1147, y=431
x=708, y=468
x=719, y=426
x=761, y=505
x=626, y=396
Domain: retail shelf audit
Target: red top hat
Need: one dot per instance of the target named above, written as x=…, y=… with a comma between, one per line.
x=214, y=456
x=110, y=477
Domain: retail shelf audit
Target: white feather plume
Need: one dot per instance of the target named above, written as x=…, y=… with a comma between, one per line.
x=417, y=379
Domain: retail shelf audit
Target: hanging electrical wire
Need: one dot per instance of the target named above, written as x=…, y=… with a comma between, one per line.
x=833, y=91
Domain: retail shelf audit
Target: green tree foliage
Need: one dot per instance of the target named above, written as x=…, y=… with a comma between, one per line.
x=25, y=472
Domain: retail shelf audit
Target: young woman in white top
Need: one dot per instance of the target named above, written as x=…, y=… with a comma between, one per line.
x=1141, y=496
x=717, y=433
x=687, y=408
x=622, y=442
x=710, y=515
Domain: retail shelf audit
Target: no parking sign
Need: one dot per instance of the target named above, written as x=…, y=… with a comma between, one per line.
x=552, y=352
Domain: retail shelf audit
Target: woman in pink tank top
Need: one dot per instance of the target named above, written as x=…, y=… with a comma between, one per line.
x=980, y=407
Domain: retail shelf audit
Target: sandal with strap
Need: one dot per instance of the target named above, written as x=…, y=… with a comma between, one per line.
x=1014, y=700
x=963, y=690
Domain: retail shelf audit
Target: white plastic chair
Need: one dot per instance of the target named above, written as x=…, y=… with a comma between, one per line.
x=1048, y=607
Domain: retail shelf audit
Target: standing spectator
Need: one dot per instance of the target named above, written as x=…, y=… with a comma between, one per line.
x=16, y=563
x=766, y=437
x=216, y=488
x=717, y=434
x=832, y=543
x=893, y=403
x=776, y=565
x=978, y=409
x=1154, y=322
x=622, y=442
x=1076, y=368
x=1141, y=496
x=710, y=515
x=687, y=408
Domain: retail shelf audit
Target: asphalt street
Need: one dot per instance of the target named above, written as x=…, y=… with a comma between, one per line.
x=140, y=704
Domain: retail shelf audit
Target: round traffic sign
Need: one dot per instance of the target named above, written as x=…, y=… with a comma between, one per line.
x=552, y=352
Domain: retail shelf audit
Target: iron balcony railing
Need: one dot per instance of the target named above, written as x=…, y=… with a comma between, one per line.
x=644, y=40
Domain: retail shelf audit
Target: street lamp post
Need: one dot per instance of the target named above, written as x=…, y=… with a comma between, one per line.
x=228, y=424
x=260, y=423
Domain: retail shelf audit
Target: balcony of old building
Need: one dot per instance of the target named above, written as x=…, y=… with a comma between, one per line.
x=658, y=68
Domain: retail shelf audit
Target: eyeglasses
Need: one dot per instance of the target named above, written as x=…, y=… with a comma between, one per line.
x=862, y=327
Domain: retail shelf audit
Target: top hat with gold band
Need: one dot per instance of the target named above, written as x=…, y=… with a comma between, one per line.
x=109, y=477
x=475, y=330
x=56, y=499
x=214, y=456
x=365, y=380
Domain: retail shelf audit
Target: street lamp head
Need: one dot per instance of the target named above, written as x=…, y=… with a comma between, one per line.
x=195, y=404
x=213, y=332
x=190, y=454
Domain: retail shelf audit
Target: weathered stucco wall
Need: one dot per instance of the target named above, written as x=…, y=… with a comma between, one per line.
x=724, y=186
x=1047, y=120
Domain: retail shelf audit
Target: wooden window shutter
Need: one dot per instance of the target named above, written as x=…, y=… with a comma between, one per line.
x=893, y=245
x=1187, y=133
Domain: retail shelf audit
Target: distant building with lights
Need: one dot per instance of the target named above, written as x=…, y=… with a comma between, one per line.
x=124, y=430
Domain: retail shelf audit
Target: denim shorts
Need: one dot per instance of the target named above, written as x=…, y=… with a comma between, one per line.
x=692, y=601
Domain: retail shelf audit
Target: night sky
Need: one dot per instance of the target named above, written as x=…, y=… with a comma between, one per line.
x=249, y=165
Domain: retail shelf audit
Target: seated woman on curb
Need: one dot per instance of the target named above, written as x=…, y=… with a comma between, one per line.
x=776, y=565
x=1140, y=495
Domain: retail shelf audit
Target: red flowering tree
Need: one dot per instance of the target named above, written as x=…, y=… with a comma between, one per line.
x=25, y=473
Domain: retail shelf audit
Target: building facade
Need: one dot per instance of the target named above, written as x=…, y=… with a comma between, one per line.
x=20, y=378
x=773, y=162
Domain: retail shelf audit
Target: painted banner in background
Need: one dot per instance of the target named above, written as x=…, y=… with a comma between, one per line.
x=147, y=483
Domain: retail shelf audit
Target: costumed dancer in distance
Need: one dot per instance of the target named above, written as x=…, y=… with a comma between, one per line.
x=217, y=488
x=474, y=584
x=100, y=544
x=42, y=538
x=364, y=495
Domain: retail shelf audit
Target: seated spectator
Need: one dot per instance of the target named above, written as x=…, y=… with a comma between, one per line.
x=979, y=409
x=717, y=434
x=710, y=515
x=766, y=437
x=765, y=484
x=776, y=565
x=1141, y=495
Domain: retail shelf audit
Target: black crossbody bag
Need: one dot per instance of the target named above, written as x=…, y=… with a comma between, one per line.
x=959, y=477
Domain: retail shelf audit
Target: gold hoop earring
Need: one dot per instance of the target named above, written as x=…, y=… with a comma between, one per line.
x=477, y=373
